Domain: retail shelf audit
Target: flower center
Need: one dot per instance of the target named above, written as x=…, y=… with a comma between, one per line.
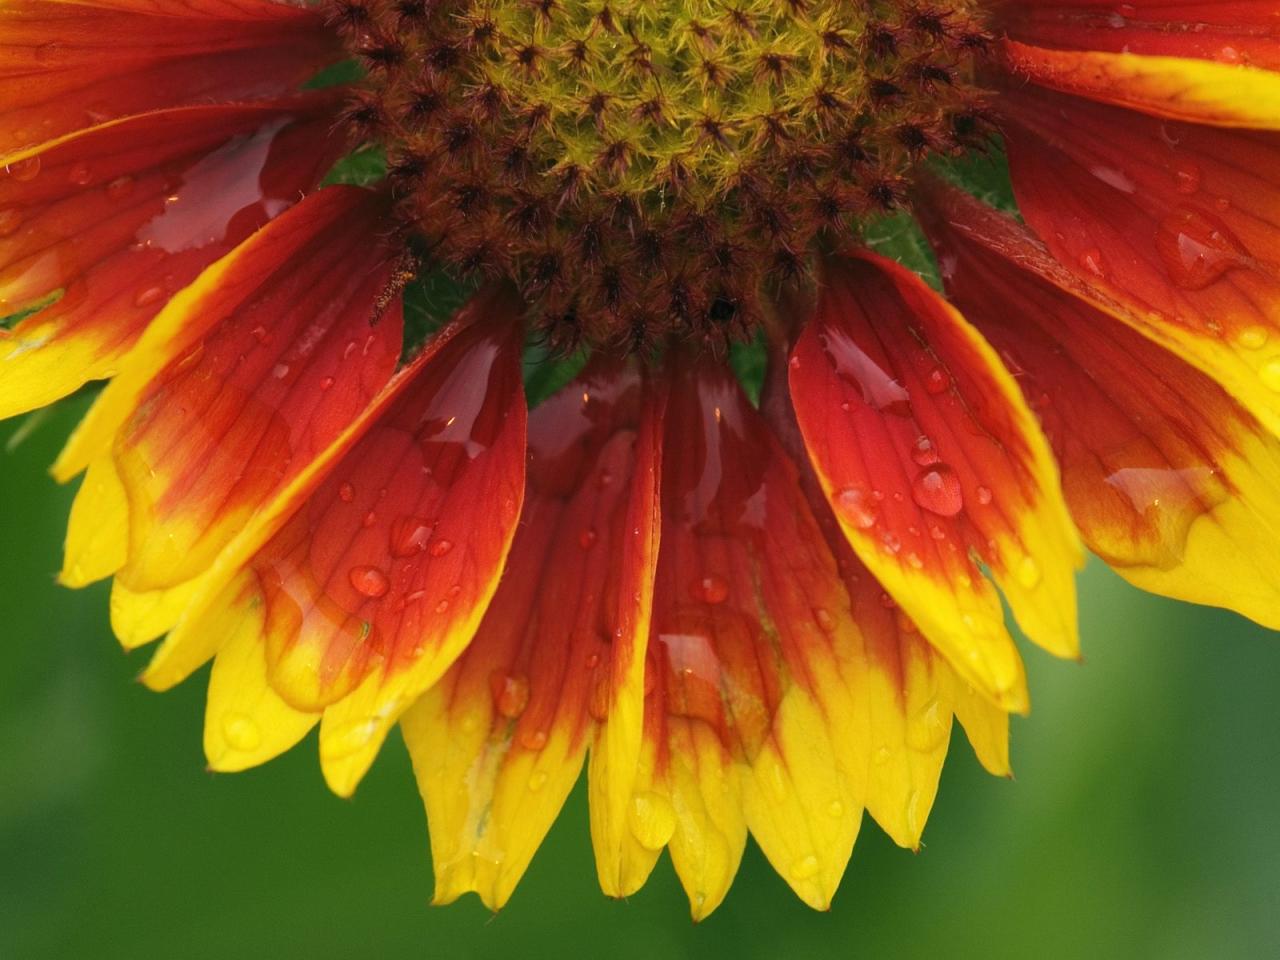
x=647, y=167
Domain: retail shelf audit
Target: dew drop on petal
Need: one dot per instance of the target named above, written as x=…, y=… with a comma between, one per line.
x=1270, y=374
x=510, y=693
x=147, y=296
x=369, y=520
x=824, y=619
x=369, y=581
x=1091, y=262
x=938, y=491
x=652, y=820
x=984, y=495
x=24, y=171
x=710, y=588
x=241, y=731
x=80, y=174
x=327, y=383
x=1197, y=249
x=923, y=451
x=1252, y=338
x=346, y=493
x=805, y=868
x=533, y=739
x=440, y=548
x=857, y=507
x=120, y=187
x=410, y=536
x=537, y=780
x=1028, y=572
x=937, y=380
x=1186, y=177
x=587, y=538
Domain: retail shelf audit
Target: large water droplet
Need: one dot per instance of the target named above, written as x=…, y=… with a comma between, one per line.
x=938, y=491
x=410, y=536
x=923, y=451
x=369, y=581
x=1197, y=248
x=652, y=820
x=510, y=693
x=24, y=171
x=241, y=731
x=858, y=507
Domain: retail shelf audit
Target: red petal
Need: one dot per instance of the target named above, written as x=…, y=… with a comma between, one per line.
x=753, y=719
x=112, y=221
x=1175, y=223
x=932, y=463
x=499, y=741
x=240, y=383
x=1232, y=32
x=65, y=66
x=1169, y=479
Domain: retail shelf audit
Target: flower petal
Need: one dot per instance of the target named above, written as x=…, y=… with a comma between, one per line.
x=69, y=65
x=239, y=383
x=1228, y=94
x=498, y=743
x=358, y=621
x=753, y=716
x=934, y=464
x=1169, y=479
x=1176, y=224
x=99, y=229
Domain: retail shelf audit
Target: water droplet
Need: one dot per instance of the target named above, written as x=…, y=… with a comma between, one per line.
x=938, y=491
x=1270, y=374
x=369, y=520
x=410, y=536
x=805, y=868
x=537, y=780
x=905, y=623
x=510, y=693
x=923, y=451
x=835, y=809
x=825, y=620
x=442, y=606
x=24, y=171
x=1091, y=262
x=327, y=383
x=241, y=732
x=937, y=380
x=587, y=538
x=346, y=493
x=1252, y=338
x=652, y=820
x=440, y=548
x=857, y=507
x=984, y=495
x=1186, y=177
x=369, y=581
x=1196, y=248
x=914, y=561
x=1028, y=572
x=347, y=738
x=10, y=221
x=147, y=296
x=80, y=174
x=280, y=371
x=533, y=739
x=120, y=187
x=710, y=588
x=882, y=756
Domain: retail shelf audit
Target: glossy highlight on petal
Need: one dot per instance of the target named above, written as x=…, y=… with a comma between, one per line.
x=1174, y=224
x=933, y=464
x=99, y=229
x=499, y=741
x=1170, y=480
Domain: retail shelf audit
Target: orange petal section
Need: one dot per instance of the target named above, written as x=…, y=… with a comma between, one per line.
x=1234, y=32
x=1175, y=223
x=498, y=743
x=68, y=65
x=754, y=717
x=1169, y=479
x=935, y=468
x=239, y=384
x=369, y=575
x=99, y=229
x=1170, y=87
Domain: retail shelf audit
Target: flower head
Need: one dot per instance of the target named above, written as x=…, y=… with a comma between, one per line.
x=753, y=614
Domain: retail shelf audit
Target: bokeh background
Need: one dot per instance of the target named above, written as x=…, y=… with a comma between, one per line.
x=1142, y=822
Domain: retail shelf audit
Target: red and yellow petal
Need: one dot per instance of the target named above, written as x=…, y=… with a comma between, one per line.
x=1175, y=224
x=1169, y=479
x=369, y=574
x=498, y=743
x=241, y=382
x=67, y=65
x=754, y=718
x=935, y=468
x=99, y=229
x=1212, y=63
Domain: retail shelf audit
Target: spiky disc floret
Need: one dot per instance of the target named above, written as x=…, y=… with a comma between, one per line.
x=641, y=167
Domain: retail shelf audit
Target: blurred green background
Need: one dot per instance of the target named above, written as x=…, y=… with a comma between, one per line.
x=1142, y=822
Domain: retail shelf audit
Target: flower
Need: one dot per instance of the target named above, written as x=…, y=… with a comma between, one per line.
x=752, y=617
